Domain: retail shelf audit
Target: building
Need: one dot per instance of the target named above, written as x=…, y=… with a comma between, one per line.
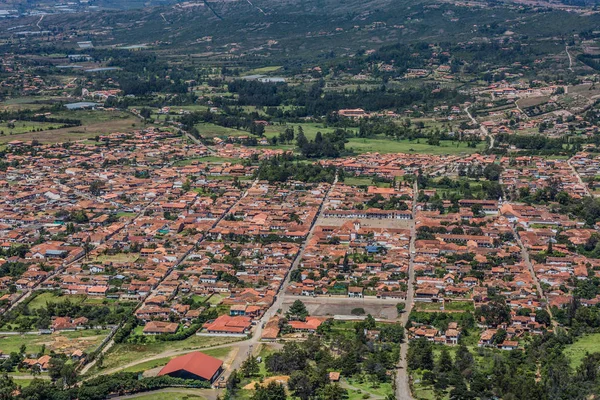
x=160, y=327
x=194, y=365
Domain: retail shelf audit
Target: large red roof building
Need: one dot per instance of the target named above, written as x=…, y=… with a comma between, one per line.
x=194, y=365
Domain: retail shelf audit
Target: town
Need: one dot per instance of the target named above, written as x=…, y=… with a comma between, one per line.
x=265, y=201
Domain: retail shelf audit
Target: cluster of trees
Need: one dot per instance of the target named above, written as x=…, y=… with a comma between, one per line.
x=536, y=144
x=282, y=168
x=316, y=102
x=99, y=388
x=541, y=371
x=331, y=144
x=393, y=203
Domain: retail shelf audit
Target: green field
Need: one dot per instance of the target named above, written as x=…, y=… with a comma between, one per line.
x=357, y=389
x=385, y=146
x=212, y=130
x=263, y=70
x=48, y=297
x=586, y=344
x=126, y=353
x=171, y=394
x=93, y=123
x=220, y=353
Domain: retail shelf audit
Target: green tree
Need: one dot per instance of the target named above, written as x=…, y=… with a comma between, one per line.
x=7, y=388
x=297, y=311
x=250, y=367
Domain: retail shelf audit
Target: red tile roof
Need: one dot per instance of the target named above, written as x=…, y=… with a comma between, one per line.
x=197, y=363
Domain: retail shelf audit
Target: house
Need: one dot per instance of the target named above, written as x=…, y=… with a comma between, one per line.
x=160, y=327
x=355, y=292
x=226, y=324
x=310, y=325
x=196, y=365
x=509, y=345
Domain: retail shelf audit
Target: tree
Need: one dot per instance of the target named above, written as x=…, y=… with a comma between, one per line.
x=495, y=312
x=463, y=360
x=250, y=367
x=445, y=361
x=54, y=367
x=492, y=172
x=542, y=317
x=300, y=385
x=297, y=311
x=273, y=391
x=7, y=387
x=420, y=355
x=333, y=392
x=400, y=307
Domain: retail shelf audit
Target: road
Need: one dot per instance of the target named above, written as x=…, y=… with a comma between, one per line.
x=570, y=58
x=402, y=378
x=482, y=128
x=581, y=182
x=527, y=260
x=251, y=346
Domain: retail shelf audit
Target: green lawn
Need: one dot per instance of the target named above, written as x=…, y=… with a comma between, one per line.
x=310, y=129
x=126, y=353
x=361, y=388
x=19, y=127
x=384, y=146
x=586, y=344
x=263, y=70
x=212, y=130
x=217, y=353
x=171, y=395
x=209, y=159
x=48, y=297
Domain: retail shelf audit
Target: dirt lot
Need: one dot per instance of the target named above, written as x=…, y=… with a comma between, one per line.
x=369, y=223
x=331, y=306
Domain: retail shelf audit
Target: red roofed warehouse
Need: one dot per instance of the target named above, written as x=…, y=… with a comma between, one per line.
x=194, y=365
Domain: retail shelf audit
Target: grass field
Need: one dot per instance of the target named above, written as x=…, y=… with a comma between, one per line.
x=209, y=159
x=48, y=297
x=263, y=70
x=385, y=146
x=172, y=394
x=93, y=123
x=217, y=353
x=126, y=353
x=357, y=389
x=212, y=130
x=586, y=344
x=362, y=181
